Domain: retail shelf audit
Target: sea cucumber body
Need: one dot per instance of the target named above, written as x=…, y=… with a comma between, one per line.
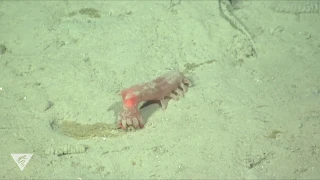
x=157, y=89
x=162, y=88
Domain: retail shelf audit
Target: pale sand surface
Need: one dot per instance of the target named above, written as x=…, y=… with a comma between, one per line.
x=244, y=118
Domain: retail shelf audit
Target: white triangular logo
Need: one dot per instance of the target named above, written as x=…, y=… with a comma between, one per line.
x=21, y=159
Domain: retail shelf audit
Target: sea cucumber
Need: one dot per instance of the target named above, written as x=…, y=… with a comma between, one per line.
x=168, y=86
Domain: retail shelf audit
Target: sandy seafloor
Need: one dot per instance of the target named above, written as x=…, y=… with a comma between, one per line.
x=245, y=117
